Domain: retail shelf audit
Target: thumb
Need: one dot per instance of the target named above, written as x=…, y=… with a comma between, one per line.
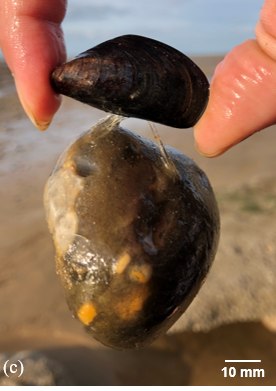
x=242, y=92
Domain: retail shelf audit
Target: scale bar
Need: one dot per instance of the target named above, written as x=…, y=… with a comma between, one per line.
x=242, y=360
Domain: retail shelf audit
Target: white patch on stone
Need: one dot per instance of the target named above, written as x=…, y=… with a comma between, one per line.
x=60, y=195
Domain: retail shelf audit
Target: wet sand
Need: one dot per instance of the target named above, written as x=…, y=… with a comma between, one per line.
x=34, y=314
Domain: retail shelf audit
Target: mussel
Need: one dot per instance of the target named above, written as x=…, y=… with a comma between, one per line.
x=137, y=77
x=135, y=225
x=135, y=231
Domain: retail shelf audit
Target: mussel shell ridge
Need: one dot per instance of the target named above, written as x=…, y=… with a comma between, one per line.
x=134, y=243
x=137, y=77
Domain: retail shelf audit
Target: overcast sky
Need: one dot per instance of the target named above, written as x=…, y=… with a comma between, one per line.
x=192, y=26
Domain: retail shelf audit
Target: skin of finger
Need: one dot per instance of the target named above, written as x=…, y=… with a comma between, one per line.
x=242, y=100
x=265, y=30
x=33, y=45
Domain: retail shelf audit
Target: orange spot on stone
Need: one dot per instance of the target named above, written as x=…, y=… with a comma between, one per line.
x=87, y=313
x=129, y=307
x=122, y=263
x=142, y=274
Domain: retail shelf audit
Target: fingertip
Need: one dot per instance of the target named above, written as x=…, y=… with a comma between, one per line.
x=212, y=154
x=40, y=117
x=33, y=45
x=40, y=125
x=209, y=150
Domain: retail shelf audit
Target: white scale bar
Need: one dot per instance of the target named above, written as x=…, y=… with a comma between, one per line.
x=242, y=360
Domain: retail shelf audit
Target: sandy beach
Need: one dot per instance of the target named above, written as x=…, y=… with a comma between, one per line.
x=224, y=322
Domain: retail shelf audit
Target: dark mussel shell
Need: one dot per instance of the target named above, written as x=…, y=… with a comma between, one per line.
x=136, y=77
x=134, y=242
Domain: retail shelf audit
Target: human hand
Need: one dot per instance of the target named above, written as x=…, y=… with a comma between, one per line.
x=33, y=45
x=243, y=91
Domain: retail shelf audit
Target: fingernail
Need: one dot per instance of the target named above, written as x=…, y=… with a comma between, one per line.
x=41, y=125
x=214, y=154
